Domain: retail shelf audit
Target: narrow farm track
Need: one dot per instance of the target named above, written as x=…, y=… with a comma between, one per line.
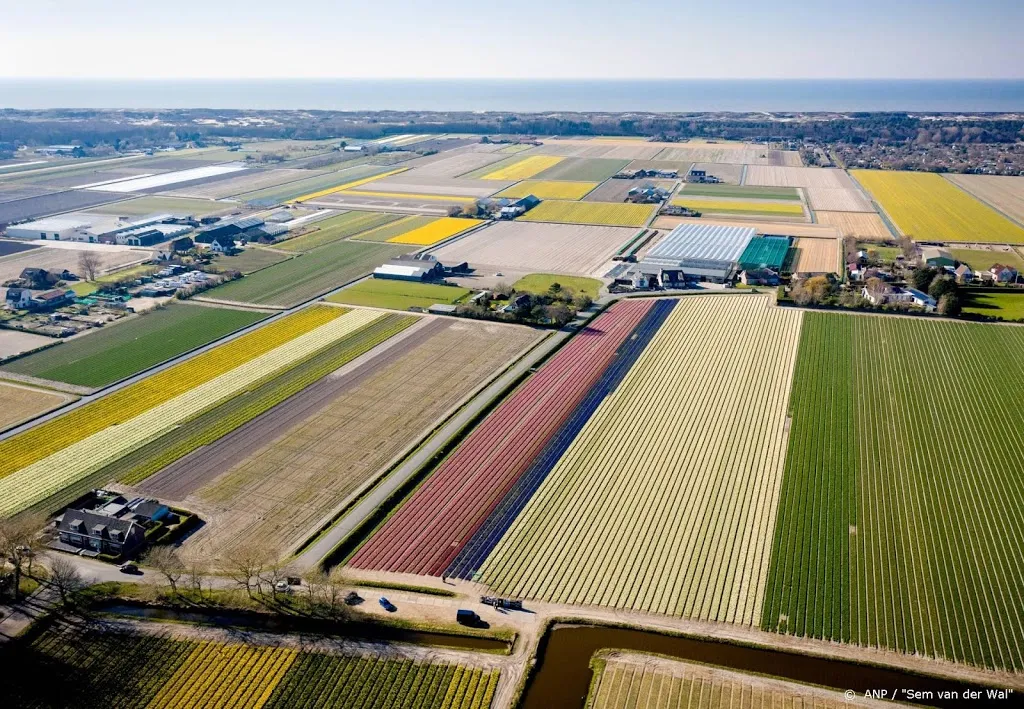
x=902, y=519
x=429, y=529
x=666, y=500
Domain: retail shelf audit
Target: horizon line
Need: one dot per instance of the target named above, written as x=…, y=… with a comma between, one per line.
x=505, y=78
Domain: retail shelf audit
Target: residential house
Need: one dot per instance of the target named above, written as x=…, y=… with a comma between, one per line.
x=921, y=299
x=1004, y=274
x=759, y=277
x=100, y=533
x=19, y=298
x=880, y=293
x=964, y=274
x=223, y=245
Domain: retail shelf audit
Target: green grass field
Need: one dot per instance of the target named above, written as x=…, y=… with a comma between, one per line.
x=901, y=514
x=741, y=191
x=128, y=347
x=884, y=253
x=541, y=282
x=337, y=228
x=398, y=295
x=309, y=275
x=141, y=206
x=1008, y=305
x=253, y=258
x=983, y=260
x=130, y=272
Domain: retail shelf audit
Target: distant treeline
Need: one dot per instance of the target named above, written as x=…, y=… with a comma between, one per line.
x=121, y=130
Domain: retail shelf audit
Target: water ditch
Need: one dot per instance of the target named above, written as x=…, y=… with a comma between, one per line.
x=562, y=675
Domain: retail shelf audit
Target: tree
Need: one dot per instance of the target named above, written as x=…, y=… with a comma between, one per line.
x=949, y=305
x=555, y=288
x=941, y=285
x=89, y=263
x=64, y=577
x=246, y=569
x=559, y=314
x=18, y=545
x=921, y=278
x=583, y=301
x=165, y=560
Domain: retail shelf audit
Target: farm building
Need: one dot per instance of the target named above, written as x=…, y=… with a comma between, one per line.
x=759, y=277
x=421, y=268
x=939, y=258
x=100, y=229
x=234, y=228
x=703, y=252
x=52, y=229
x=765, y=252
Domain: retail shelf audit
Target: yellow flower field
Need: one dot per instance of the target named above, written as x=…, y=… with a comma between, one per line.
x=435, y=231
x=226, y=676
x=348, y=185
x=48, y=475
x=524, y=169
x=738, y=206
x=926, y=206
x=549, y=189
x=38, y=442
x=598, y=213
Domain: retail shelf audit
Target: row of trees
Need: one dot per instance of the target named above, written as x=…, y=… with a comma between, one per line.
x=557, y=307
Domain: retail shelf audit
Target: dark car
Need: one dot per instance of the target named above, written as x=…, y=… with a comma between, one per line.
x=467, y=617
x=387, y=605
x=128, y=568
x=353, y=598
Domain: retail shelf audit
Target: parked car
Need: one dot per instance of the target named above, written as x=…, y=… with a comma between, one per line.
x=282, y=587
x=467, y=617
x=353, y=598
x=387, y=605
x=128, y=568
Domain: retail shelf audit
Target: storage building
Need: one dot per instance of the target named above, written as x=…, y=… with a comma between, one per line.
x=936, y=257
x=52, y=229
x=703, y=252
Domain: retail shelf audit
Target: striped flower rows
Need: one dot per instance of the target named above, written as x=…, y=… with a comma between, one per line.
x=120, y=406
x=36, y=481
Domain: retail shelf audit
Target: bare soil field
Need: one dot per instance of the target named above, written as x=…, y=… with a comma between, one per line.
x=44, y=205
x=729, y=153
x=11, y=192
x=414, y=183
x=816, y=255
x=525, y=247
x=249, y=181
x=593, y=149
x=616, y=190
x=859, y=224
x=53, y=258
x=19, y=403
x=772, y=176
x=841, y=200
x=1004, y=193
x=13, y=342
x=729, y=173
x=274, y=480
x=421, y=203
x=455, y=165
x=763, y=226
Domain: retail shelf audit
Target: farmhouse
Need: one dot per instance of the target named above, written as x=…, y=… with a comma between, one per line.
x=19, y=298
x=937, y=258
x=703, y=252
x=964, y=274
x=115, y=525
x=1003, y=274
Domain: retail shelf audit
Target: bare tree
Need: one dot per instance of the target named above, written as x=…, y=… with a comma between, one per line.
x=89, y=263
x=247, y=567
x=64, y=577
x=165, y=560
x=196, y=568
x=18, y=545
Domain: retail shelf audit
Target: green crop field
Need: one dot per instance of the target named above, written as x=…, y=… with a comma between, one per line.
x=337, y=228
x=583, y=169
x=310, y=274
x=741, y=191
x=1008, y=304
x=97, y=666
x=318, y=181
x=141, y=206
x=398, y=295
x=541, y=283
x=126, y=348
x=901, y=517
x=250, y=260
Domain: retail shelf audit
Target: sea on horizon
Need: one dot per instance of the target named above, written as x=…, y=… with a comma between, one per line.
x=523, y=95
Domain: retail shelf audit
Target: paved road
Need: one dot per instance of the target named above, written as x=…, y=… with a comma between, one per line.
x=366, y=507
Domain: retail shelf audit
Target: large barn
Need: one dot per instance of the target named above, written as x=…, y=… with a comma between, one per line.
x=703, y=252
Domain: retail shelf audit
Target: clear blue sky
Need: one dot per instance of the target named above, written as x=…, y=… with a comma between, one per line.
x=529, y=38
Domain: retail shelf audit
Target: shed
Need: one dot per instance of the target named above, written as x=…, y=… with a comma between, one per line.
x=936, y=257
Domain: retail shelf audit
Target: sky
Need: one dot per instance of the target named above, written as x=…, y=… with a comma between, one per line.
x=526, y=39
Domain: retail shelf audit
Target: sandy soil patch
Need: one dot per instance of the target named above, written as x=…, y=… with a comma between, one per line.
x=859, y=224
x=837, y=200
x=816, y=255
x=19, y=403
x=777, y=176
x=1004, y=193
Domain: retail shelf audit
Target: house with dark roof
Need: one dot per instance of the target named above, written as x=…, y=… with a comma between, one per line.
x=19, y=298
x=100, y=533
x=38, y=278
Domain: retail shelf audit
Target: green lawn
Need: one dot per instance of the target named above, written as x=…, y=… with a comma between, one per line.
x=253, y=258
x=309, y=274
x=131, y=272
x=1008, y=305
x=741, y=191
x=132, y=345
x=900, y=512
x=398, y=295
x=541, y=282
x=983, y=259
x=883, y=253
x=338, y=228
